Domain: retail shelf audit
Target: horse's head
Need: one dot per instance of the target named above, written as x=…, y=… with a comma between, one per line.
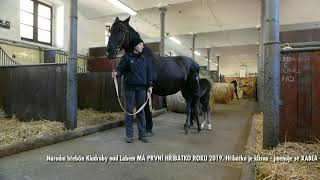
x=119, y=37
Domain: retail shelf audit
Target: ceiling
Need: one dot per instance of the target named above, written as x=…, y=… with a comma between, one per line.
x=101, y=8
x=229, y=27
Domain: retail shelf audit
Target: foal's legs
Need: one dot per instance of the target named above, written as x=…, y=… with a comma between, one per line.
x=204, y=119
x=195, y=109
x=188, y=112
x=209, y=120
x=206, y=114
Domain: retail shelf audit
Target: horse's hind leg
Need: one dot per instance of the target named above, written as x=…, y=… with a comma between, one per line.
x=149, y=123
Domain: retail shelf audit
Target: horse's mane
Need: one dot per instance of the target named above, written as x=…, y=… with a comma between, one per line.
x=134, y=34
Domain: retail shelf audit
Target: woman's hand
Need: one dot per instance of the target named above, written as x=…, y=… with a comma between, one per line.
x=150, y=90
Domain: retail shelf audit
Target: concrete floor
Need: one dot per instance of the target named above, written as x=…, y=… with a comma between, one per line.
x=230, y=130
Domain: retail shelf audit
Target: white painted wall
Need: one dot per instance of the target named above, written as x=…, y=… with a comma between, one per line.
x=90, y=32
x=9, y=10
x=230, y=65
x=231, y=57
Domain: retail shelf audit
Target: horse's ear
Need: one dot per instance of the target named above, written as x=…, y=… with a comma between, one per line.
x=127, y=20
x=117, y=19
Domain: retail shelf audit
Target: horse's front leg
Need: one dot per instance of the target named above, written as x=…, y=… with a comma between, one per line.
x=191, y=119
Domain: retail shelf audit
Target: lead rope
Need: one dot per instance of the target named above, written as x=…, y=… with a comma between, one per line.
x=140, y=109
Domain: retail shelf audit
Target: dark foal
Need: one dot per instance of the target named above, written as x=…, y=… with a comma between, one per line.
x=204, y=105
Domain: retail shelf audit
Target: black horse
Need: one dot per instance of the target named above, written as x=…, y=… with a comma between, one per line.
x=170, y=74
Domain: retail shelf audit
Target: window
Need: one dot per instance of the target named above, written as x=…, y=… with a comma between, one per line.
x=35, y=21
x=106, y=35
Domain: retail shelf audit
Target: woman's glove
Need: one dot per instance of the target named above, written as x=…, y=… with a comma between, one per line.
x=114, y=74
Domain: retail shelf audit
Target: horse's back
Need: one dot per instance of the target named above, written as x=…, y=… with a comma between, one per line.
x=170, y=75
x=181, y=60
x=173, y=73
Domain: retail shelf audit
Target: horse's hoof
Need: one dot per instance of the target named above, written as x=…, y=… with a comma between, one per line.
x=199, y=130
x=186, y=129
x=209, y=127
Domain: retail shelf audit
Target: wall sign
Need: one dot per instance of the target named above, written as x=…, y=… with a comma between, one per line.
x=4, y=24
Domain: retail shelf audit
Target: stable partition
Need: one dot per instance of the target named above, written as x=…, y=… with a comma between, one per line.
x=40, y=92
x=300, y=95
x=97, y=91
x=34, y=91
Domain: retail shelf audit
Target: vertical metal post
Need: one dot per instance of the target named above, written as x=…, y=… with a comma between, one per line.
x=257, y=77
x=208, y=55
x=162, y=29
x=193, y=45
x=72, y=69
x=271, y=92
x=261, y=63
x=259, y=73
x=218, y=68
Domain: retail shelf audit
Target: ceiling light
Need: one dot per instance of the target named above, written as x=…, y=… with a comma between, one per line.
x=123, y=7
x=175, y=40
x=197, y=53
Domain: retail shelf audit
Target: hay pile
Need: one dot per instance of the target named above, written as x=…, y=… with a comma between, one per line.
x=223, y=92
x=14, y=131
x=232, y=93
x=284, y=170
x=176, y=103
x=212, y=102
x=247, y=91
x=89, y=117
x=2, y=114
